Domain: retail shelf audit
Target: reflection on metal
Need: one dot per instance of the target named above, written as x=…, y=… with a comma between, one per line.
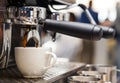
x=5, y=54
x=14, y=22
x=35, y=35
x=6, y=36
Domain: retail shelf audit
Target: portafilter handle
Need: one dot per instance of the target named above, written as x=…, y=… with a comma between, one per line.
x=75, y=29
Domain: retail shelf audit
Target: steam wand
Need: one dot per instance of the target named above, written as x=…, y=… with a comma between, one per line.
x=108, y=32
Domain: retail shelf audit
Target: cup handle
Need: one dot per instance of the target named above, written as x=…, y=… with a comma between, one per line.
x=54, y=57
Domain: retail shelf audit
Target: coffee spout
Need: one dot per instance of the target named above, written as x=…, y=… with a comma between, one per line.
x=32, y=34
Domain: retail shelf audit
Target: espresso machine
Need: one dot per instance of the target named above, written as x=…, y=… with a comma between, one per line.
x=25, y=21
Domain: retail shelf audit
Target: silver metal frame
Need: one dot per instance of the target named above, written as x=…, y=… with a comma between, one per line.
x=13, y=19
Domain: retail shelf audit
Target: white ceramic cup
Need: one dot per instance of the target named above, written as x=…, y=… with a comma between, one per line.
x=33, y=62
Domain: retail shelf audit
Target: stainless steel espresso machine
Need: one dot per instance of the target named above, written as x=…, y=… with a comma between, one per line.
x=17, y=22
x=24, y=22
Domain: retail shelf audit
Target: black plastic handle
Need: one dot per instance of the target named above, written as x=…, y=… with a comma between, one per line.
x=80, y=30
x=108, y=32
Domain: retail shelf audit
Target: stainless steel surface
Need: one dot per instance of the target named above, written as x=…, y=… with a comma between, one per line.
x=61, y=16
x=5, y=54
x=26, y=14
x=58, y=72
x=90, y=17
x=3, y=38
x=67, y=2
x=35, y=35
x=110, y=71
x=90, y=73
x=15, y=21
x=8, y=33
x=57, y=16
x=11, y=12
x=84, y=79
x=106, y=73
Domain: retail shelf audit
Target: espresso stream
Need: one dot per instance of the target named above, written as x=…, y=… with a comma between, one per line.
x=33, y=42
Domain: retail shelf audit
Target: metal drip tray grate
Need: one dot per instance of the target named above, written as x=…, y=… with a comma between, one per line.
x=60, y=69
x=58, y=72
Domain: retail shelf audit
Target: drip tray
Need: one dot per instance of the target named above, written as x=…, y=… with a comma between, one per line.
x=58, y=72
